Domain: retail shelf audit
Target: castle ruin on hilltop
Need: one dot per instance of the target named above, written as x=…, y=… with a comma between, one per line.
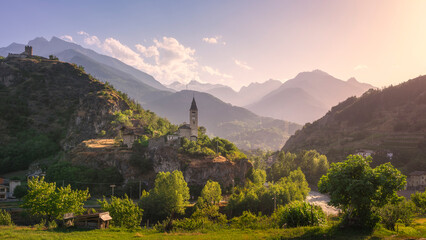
x=27, y=53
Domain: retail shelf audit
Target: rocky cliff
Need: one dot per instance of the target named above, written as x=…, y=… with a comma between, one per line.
x=103, y=153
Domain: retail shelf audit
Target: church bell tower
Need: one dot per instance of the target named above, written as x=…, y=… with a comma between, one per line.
x=193, y=118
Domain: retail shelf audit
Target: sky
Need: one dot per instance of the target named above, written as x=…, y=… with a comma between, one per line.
x=381, y=42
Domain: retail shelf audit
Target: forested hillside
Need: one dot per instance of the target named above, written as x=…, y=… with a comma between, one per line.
x=390, y=123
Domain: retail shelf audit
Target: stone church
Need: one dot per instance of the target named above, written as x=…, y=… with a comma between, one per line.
x=190, y=131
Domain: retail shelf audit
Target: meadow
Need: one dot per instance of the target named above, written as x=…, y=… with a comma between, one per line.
x=331, y=231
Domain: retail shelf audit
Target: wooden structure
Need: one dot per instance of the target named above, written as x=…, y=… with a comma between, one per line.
x=93, y=220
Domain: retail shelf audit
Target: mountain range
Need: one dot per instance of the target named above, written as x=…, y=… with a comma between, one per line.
x=307, y=97
x=137, y=84
x=245, y=128
x=389, y=124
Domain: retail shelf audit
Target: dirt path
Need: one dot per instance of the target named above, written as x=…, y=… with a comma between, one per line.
x=321, y=200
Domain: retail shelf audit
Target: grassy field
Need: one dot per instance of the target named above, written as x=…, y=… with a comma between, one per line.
x=416, y=231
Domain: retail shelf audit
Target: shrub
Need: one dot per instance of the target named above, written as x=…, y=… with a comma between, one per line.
x=419, y=199
x=251, y=221
x=123, y=211
x=298, y=214
x=20, y=191
x=397, y=212
x=5, y=218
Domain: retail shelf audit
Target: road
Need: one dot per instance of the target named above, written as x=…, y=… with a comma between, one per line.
x=321, y=200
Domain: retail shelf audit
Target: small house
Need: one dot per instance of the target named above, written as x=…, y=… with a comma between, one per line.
x=130, y=135
x=3, y=192
x=416, y=180
x=365, y=153
x=93, y=220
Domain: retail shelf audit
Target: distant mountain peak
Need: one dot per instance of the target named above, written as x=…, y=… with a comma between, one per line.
x=352, y=80
x=38, y=40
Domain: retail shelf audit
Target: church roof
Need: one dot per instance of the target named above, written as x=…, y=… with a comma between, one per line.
x=193, y=105
x=185, y=126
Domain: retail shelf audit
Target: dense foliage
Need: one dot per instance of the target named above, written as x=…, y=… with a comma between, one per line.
x=124, y=212
x=419, y=199
x=204, y=146
x=168, y=198
x=312, y=164
x=46, y=200
x=83, y=177
x=211, y=193
x=28, y=147
x=298, y=213
x=399, y=212
x=259, y=196
x=356, y=188
x=5, y=218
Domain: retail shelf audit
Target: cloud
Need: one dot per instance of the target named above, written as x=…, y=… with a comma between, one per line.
x=215, y=72
x=166, y=59
x=147, y=52
x=213, y=40
x=67, y=38
x=360, y=67
x=92, y=40
x=242, y=65
x=83, y=33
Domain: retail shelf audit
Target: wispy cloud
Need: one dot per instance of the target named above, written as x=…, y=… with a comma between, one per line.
x=360, y=67
x=92, y=40
x=213, y=40
x=67, y=38
x=83, y=33
x=215, y=72
x=242, y=65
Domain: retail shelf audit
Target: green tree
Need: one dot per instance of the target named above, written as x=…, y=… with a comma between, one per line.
x=212, y=193
x=168, y=198
x=124, y=212
x=46, y=200
x=393, y=213
x=258, y=196
x=419, y=199
x=356, y=188
x=20, y=191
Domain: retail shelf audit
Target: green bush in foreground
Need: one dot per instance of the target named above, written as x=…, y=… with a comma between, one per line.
x=5, y=219
x=419, y=199
x=123, y=211
x=298, y=213
x=401, y=212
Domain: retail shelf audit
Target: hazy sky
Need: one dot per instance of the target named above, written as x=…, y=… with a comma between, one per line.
x=236, y=42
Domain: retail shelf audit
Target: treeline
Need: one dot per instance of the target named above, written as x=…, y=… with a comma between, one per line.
x=279, y=164
x=365, y=195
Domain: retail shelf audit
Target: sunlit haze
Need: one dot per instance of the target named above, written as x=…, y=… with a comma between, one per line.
x=236, y=42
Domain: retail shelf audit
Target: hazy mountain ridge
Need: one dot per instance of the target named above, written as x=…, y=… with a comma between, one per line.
x=126, y=77
x=225, y=120
x=318, y=92
x=392, y=120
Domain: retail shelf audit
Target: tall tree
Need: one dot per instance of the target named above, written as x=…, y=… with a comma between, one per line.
x=168, y=198
x=46, y=200
x=356, y=188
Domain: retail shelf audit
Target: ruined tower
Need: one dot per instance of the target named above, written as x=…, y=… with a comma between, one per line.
x=28, y=51
x=193, y=119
